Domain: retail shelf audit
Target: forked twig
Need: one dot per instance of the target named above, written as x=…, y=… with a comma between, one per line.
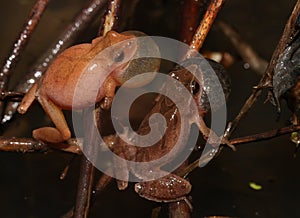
x=241, y=140
x=244, y=49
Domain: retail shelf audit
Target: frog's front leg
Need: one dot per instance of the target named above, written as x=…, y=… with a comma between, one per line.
x=28, y=99
x=166, y=189
x=50, y=134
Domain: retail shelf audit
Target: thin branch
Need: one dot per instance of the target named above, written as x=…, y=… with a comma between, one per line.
x=265, y=135
x=111, y=17
x=247, y=139
x=20, y=44
x=64, y=40
x=11, y=96
x=266, y=80
x=204, y=27
x=189, y=19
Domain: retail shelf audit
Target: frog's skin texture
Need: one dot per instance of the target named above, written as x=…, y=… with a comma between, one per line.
x=56, y=88
x=170, y=187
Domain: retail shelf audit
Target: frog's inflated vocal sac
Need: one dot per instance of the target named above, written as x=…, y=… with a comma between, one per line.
x=56, y=88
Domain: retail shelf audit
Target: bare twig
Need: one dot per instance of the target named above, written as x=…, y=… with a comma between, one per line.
x=266, y=80
x=204, y=27
x=265, y=135
x=11, y=96
x=64, y=40
x=91, y=141
x=247, y=139
x=87, y=170
x=20, y=43
x=111, y=17
x=189, y=19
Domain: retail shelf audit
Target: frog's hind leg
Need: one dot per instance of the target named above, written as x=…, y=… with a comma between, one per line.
x=49, y=134
x=28, y=99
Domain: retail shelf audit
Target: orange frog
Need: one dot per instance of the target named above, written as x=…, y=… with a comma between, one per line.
x=56, y=88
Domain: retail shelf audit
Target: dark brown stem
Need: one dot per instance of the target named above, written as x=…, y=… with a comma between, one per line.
x=204, y=27
x=266, y=80
x=21, y=42
x=64, y=40
x=189, y=19
x=87, y=170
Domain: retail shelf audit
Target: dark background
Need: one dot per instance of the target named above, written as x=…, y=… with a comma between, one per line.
x=30, y=185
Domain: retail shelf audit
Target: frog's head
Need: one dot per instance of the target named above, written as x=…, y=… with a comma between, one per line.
x=202, y=77
x=144, y=60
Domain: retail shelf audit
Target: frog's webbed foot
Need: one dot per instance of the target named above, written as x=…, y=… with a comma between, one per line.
x=166, y=189
x=48, y=134
x=225, y=141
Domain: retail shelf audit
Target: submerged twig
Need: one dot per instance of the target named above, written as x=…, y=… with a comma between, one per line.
x=20, y=44
x=244, y=49
x=266, y=79
x=204, y=27
x=64, y=40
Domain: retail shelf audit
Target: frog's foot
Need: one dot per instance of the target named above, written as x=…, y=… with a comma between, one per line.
x=166, y=189
x=28, y=99
x=50, y=134
x=225, y=141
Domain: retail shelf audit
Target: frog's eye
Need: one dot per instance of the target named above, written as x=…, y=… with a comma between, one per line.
x=119, y=56
x=194, y=87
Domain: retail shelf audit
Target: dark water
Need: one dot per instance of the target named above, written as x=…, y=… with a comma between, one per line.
x=30, y=185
